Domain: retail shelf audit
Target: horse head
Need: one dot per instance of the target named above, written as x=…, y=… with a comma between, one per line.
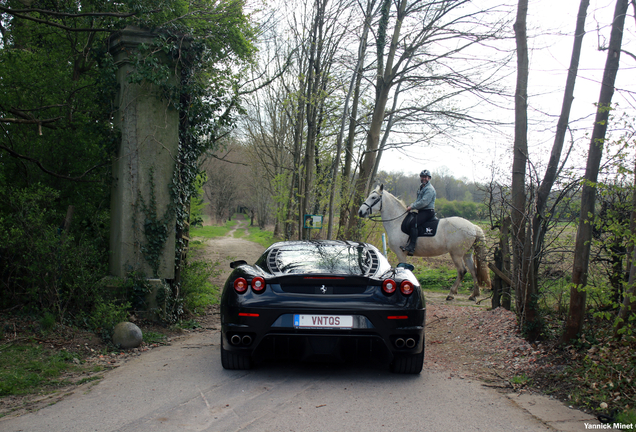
x=372, y=203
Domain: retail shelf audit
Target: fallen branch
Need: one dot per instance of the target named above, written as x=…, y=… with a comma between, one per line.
x=499, y=273
x=486, y=298
x=434, y=321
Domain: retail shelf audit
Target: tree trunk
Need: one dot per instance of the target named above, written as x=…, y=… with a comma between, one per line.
x=294, y=187
x=497, y=282
x=518, y=210
x=574, y=323
x=384, y=82
x=385, y=137
x=311, y=112
x=506, y=297
x=354, y=87
x=628, y=307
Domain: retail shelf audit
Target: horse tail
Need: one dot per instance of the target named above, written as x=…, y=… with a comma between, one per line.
x=483, y=273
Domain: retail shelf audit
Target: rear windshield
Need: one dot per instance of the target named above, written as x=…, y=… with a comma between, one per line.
x=351, y=259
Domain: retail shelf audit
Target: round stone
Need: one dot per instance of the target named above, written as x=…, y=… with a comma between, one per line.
x=127, y=335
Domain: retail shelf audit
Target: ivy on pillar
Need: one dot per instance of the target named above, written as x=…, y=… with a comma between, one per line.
x=142, y=233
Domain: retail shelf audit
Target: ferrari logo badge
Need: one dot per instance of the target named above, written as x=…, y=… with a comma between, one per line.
x=323, y=289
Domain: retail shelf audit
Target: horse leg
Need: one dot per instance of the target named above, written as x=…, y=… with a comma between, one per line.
x=461, y=271
x=401, y=255
x=468, y=259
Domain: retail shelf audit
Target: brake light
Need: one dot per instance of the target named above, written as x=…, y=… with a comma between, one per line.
x=388, y=286
x=406, y=287
x=258, y=284
x=240, y=285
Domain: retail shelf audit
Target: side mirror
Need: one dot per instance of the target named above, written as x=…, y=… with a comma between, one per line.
x=235, y=264
x=406, y=266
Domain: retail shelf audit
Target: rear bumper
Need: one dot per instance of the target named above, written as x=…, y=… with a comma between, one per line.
x=270, y=334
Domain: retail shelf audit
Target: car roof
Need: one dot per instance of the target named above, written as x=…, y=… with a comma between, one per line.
x=317, y=243
x=311, y=258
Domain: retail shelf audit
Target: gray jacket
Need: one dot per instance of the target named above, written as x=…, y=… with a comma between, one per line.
x=425, y=198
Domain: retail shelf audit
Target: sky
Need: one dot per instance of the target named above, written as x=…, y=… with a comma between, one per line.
x=550, y=30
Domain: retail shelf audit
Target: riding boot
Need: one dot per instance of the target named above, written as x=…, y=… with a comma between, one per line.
x=410, y=246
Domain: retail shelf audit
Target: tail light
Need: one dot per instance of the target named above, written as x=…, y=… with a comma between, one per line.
x=388, y=286
x=406, y=287
x=258, y=284
x=240, y=285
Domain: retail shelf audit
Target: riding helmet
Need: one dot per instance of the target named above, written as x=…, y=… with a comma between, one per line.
x=426, y=173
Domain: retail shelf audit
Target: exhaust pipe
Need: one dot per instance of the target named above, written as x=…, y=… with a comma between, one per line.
x=235, y=340
x=247, y=340
x=410, y=343
x=399, y=343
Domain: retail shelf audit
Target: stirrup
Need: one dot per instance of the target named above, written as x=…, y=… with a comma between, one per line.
x=409, y=251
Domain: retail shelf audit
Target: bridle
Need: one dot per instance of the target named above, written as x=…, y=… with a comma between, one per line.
x=374, y=218
x=378, y=200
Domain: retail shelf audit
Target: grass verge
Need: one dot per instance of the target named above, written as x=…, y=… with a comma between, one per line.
x=262, y=237
x=30, y=368
x=255, y=234
x=210, y=231
x=440, y=279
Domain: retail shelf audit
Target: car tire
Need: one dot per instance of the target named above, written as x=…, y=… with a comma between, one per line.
x=233, y=361
x=408, y=363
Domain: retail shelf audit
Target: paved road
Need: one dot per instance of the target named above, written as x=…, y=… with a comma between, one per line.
x=183, y=387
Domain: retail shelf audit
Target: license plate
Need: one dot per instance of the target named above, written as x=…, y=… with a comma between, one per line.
x=323, y=321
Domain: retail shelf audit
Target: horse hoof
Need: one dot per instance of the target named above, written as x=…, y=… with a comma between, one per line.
x=449, y=298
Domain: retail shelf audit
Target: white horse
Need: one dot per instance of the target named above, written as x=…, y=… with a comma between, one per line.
x=455, y=236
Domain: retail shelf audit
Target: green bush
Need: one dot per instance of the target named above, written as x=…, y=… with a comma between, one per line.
x=104, y=317
x=466, y=209
x=196, y=289
x=43, y=269
x=47, y=322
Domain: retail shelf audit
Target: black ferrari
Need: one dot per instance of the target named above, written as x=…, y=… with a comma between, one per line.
x=323, y=301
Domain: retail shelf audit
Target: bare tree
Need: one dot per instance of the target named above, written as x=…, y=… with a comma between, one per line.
x=578, y=295
x=520, y=247
x=266, y=131
x=326, y=34
x=226, y=183
x=557, y=148
x=354, y=89
x=317, y=31
x=405, y=53
x=528, y=239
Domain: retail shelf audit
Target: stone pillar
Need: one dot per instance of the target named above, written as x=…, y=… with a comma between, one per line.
x=144, y=164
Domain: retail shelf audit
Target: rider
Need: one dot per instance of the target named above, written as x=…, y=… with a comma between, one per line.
x=425, y=205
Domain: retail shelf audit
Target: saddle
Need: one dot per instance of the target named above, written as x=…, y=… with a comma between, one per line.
x=427, y=229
